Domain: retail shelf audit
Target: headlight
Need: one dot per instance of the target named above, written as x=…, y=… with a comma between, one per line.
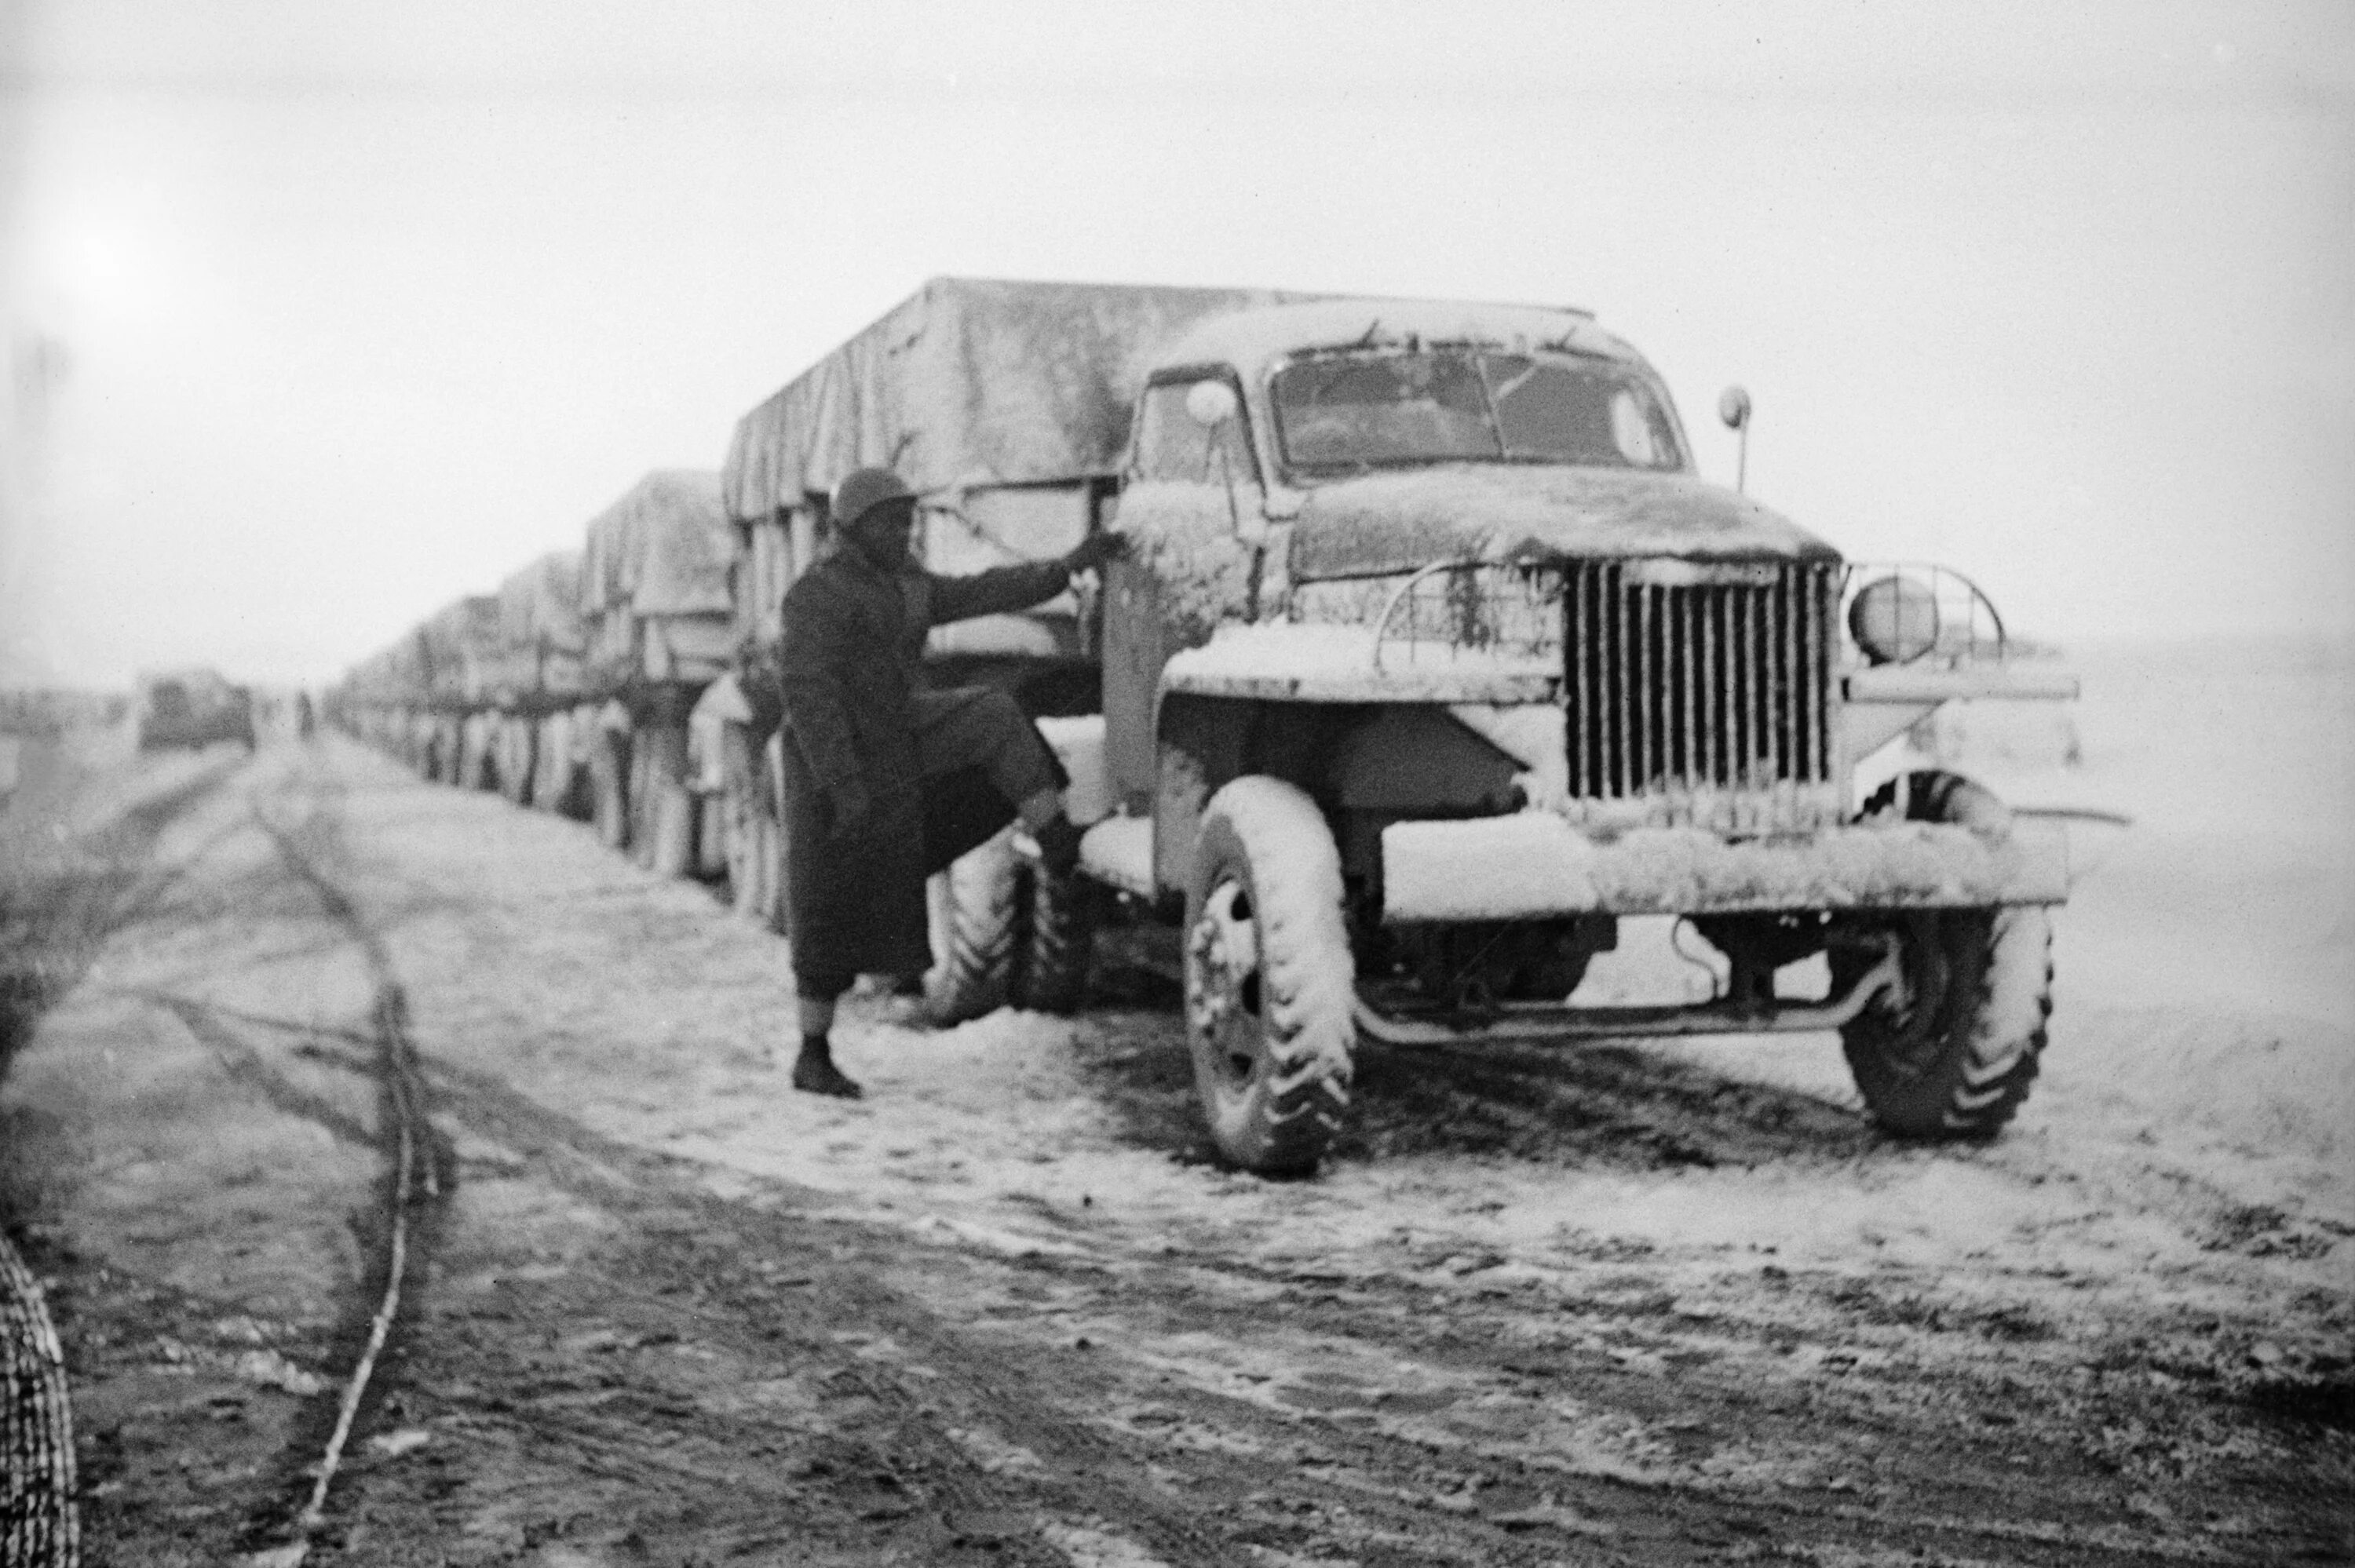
x=1894, y=619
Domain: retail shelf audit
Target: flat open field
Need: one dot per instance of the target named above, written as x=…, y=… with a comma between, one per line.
x=1632, y=1303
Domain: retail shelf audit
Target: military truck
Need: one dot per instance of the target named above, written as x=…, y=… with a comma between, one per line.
x=1433, y=660
x=193, y=708
x=536, y=682
x=458, y=656
x=657, y=619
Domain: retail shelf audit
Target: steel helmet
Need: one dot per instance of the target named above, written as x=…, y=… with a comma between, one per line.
x=863, y=490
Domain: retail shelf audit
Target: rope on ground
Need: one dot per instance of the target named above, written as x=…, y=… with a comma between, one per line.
x=38, y=1525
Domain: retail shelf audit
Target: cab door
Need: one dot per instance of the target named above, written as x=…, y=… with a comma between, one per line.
x=1193, y=495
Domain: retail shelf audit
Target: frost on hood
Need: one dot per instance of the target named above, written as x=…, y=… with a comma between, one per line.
x=1398, y=522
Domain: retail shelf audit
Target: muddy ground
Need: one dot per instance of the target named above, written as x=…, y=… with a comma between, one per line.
x=1633, y=1303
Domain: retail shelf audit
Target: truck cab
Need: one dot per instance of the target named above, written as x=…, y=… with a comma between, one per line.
x=1433, y=658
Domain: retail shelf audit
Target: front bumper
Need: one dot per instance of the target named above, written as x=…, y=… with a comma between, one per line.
x=1533, y=864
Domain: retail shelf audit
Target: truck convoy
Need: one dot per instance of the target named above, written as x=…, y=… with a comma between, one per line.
x=1432, y=660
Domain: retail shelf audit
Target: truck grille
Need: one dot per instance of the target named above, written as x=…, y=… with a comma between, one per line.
x=1693, y=685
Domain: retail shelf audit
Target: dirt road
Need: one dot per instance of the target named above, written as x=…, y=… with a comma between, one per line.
x=1628, y=1305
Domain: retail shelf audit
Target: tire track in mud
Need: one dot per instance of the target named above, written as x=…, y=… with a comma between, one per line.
x=400, y=1232
x=51, y=925
x=52, y=919
x=1259, y=1471
x=733, y=1251
x=243, y=1063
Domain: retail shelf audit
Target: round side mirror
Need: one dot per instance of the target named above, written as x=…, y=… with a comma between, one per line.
x=1210, y=403
x=1733, y=407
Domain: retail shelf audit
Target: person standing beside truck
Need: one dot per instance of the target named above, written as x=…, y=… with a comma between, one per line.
x=887, y=782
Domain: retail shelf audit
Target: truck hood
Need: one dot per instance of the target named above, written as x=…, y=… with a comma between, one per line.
x=1387, y=523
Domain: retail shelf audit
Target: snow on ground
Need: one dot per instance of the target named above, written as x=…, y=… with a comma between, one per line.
x=2185, y=1154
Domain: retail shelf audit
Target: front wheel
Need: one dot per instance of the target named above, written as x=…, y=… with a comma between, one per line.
x=1951, y=1050
x=1269, y=977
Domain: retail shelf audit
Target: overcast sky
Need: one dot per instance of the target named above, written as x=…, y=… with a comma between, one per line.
x=322, y=315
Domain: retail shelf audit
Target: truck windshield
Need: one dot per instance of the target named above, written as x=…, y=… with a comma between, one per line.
x=1348, y=412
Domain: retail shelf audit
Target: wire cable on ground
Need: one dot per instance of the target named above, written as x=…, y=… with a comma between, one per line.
x=413, y=1180
x=39, y=1527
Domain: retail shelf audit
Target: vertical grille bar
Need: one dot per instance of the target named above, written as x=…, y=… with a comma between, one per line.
x=1778, y=676
x=1574, y=643
x=1731, y=599
x=1807, y=697
x=1639, y=685
x=1793, y=592
x=1687, y=652
x=1622, y=772
x=1819, y=612
x=1747, y=599
x=1712, y=723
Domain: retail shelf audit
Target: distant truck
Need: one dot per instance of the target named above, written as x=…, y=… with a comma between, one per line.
x=193, y=708
x=1434, y=658
x=536, y=680
x=658, y=629
x=460, y=647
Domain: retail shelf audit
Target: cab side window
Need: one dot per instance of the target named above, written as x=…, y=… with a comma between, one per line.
x=1172, y=444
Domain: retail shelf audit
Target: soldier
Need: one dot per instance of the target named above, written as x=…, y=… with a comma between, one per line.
x=885, y=781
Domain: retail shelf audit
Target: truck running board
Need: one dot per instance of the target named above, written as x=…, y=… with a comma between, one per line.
x=1544, y=1021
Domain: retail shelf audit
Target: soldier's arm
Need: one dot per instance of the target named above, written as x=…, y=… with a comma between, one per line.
x=817, y=705
x=999, y=591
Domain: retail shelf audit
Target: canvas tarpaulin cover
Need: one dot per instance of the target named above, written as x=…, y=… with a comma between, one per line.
x=663, y=548
x=458, y=639
x=539, y=607
x=970, y=383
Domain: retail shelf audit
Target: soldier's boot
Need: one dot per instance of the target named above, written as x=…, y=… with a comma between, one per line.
x=816, y=1073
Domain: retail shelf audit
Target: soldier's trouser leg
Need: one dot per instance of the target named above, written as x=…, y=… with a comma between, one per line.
x=983, y=761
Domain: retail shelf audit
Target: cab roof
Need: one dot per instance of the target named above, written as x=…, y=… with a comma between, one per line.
x=1253, y=340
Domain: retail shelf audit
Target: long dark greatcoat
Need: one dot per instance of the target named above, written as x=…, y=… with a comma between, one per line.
x=852, y=659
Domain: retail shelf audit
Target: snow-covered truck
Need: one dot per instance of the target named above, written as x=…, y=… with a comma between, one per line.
x=193, y=708
x=1434, y=658
x=537, y=682
x=657, y=621
x=456, y=654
